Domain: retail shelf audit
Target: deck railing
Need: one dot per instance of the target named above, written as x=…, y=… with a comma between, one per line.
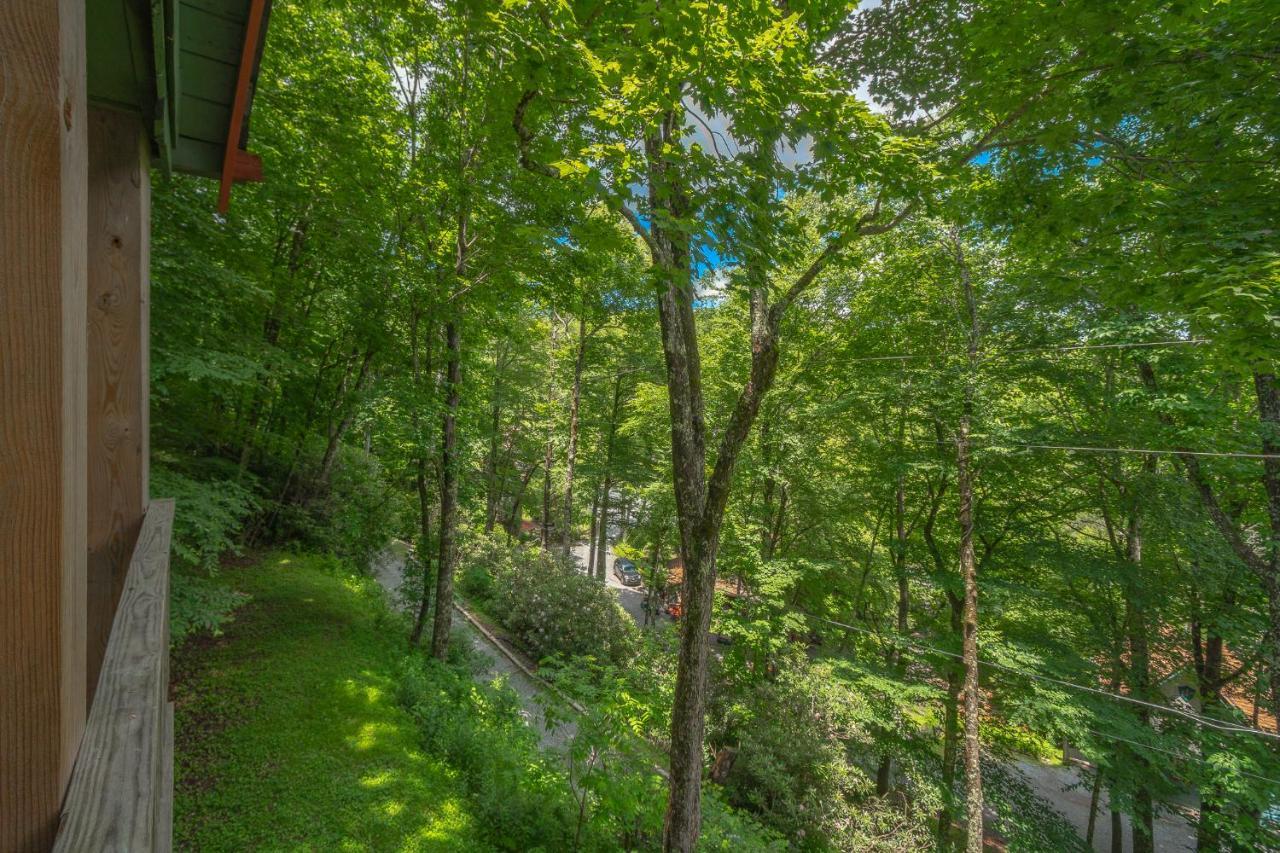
x=121, y=791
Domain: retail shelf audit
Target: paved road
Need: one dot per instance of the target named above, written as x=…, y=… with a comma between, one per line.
x=1059, y=786
x=630, y=597
x=388, y=568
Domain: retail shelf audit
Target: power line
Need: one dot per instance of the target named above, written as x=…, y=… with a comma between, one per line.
x=1178, y=755
x=1130, y=345
x=1024, y=350
x=1162, y=709
x=1141, y=450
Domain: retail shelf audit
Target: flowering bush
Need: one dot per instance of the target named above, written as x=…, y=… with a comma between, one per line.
x=548, y=606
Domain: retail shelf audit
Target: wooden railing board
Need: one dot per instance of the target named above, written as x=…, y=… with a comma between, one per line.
x=120, y=793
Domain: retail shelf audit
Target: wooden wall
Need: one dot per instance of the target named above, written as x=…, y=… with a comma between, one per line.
x=43, y=176
x=118, y=294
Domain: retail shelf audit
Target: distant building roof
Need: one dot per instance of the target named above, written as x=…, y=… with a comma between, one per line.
x=1170, y=657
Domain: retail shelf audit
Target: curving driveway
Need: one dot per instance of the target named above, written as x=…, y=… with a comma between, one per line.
x=388, y=569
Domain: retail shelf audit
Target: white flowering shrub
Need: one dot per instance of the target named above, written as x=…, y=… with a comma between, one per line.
x=547, y=605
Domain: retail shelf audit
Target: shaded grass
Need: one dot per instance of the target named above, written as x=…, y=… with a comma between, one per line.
x=289, y=735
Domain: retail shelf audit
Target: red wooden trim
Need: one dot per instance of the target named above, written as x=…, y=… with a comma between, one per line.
x=247, y=167
x=231, y=154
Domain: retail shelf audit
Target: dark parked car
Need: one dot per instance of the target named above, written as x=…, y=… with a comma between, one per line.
x=626, y=572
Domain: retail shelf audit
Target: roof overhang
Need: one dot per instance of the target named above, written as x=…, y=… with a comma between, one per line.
x=189, y=69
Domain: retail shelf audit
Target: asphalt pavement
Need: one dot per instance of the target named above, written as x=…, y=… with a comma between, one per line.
x=630, y=597
x=388, y=568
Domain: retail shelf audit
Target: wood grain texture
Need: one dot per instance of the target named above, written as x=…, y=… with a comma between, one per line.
x=43, y=167
x=118, y=296
x=119, y=790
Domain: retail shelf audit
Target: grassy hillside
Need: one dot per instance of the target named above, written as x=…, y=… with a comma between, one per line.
x=289, y=735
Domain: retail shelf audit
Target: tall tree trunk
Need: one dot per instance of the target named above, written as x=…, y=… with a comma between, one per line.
x=514, y=514
x=571, y=455
x=951, y=728
x=969, y=574
x=337, y=433
x=1143, y=823
x=493, y=494
x=271, y=327
x=424, y=553
x=423, y=442
x=1209, y=684
x=700, y=498
x=448, y=496
x=549, y=454
x=1264, y=383
x=1095, y=795
x=602, y=532
x=894, y=657
x=591, y=536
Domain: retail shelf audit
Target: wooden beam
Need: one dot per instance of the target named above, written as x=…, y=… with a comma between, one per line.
x=43, y=172
x=232, y=153
x=121, y=788
x=118, y=299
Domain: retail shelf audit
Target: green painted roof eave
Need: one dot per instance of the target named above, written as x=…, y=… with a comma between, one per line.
x=174, y=63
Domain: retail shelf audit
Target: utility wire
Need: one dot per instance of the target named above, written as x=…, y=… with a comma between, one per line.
x=1130, y=345
x=1179, y=755
x=1023, y=350
x=1162, y=709
x=1143, y=450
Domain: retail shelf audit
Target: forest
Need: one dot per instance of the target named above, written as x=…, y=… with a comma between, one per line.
x=920, y=355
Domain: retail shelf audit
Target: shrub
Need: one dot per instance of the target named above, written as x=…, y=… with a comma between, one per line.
x=209, y=515
x=518, y=795
x=601, y=795
x=476, y=583
x=199, y=604
x=799, y=739
x=550, y=608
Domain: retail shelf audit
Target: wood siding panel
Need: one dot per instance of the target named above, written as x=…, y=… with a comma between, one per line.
x=118, y=299
x=43, y=172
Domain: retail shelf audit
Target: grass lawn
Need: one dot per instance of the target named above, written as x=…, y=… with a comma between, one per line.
x=289, y=735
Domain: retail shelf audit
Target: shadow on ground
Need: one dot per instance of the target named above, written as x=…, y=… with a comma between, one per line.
x=288, y=730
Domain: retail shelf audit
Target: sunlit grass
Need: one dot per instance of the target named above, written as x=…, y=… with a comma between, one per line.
x=289, y=734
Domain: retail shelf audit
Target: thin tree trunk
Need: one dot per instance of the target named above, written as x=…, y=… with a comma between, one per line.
x=602, y=532
x=1208, y=658
x=894, y=657
x=514, y=514
x=591, y=536
x=448, y=496
x=423, y=549
x=1095, y=795
x=1143, y=823
x=349, y=412
x=969, y=573
x=951, y=728
x=1264, y=382
x=493, y=495
x=571, y=456
x=549, y=453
